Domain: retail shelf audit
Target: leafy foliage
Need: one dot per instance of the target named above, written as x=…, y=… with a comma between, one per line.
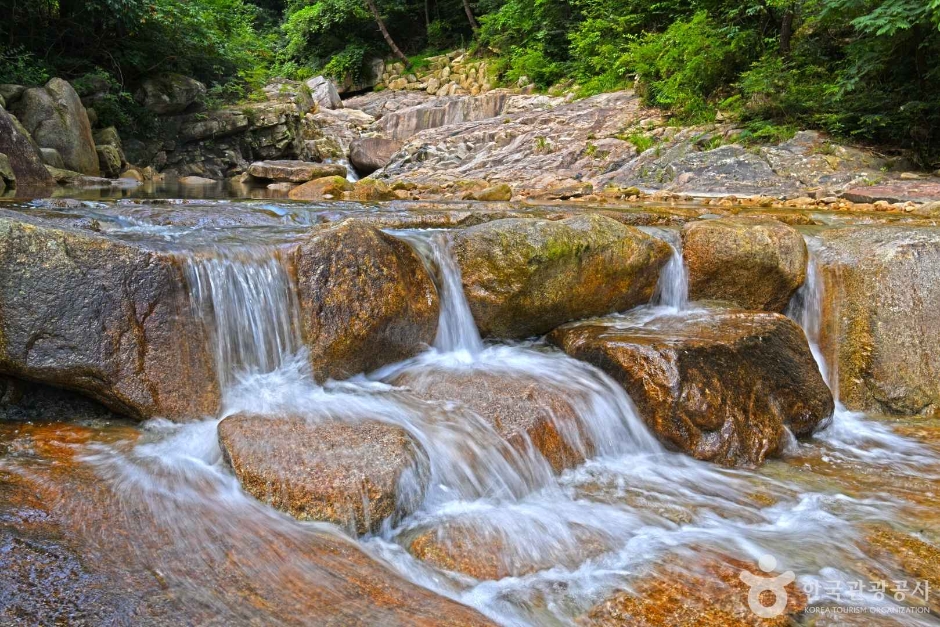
x=865, y=69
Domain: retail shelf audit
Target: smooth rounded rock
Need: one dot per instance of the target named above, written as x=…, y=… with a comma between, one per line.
x=366, y=299
x=719, y=385
x=755, y=263
x=353, y=474
x=524, y=277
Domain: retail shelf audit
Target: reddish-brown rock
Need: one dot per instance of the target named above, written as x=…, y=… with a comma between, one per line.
x=353, y=474
x=719, y=385
x=366, y=299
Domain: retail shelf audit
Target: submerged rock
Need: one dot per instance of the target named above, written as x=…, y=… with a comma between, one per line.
x=752, y=262
x=719, y=385
x=366, y=299
x=525, y=411
x=104, y=318
x=353, y=474
x=483, y=552
x=293, y=171
x=55, y=118
x=880, y=315
x=705, y=594
x=523, y=277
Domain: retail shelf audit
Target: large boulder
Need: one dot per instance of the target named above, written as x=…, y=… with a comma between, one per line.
x=24, y=156
x=11, y=93
x=880, y=311
x=169, y=94
x=353, y=474
x=55, y=118
x=292, y=171
x=372, y=153
x=104, y=318
x=756, y=263
x=524, y=277
x=522, y=409
x=365, y=298
x=719, y=385
x=324, y=93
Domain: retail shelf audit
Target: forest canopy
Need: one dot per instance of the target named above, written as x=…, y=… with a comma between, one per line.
x=861, y=69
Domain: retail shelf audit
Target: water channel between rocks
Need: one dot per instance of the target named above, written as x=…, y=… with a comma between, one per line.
x=526, y=545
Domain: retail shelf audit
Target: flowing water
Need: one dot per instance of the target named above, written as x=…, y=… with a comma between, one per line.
x=560, y=543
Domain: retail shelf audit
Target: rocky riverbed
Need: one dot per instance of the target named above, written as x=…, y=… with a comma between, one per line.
x=449, y=354
x=416, y=412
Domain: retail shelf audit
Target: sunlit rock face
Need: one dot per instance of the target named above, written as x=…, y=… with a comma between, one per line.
x=101, y=317
x=720, y=385
x=880, y=311
x=525, y=277
x=755, y=263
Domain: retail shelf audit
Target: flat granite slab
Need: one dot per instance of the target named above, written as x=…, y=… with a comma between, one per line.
x=896, y=191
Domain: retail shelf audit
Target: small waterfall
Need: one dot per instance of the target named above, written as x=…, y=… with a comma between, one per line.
x=672, y=289
x=850, y=431
x=246, y=298
x=456, y=330
x=805, y=308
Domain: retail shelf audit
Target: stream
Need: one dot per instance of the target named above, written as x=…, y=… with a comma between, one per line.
x=157, y=501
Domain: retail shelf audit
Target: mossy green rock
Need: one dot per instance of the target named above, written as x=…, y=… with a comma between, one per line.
x=524, y=277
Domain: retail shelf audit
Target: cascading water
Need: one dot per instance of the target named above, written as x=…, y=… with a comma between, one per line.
x=672, y=289
x=247, y=300
x=571, y=538
x=850, y=431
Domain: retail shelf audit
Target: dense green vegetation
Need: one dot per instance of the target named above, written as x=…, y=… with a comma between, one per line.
x=863, y=69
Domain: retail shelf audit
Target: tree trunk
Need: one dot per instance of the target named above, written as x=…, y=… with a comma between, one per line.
x=786, y=31
x=388, y=38
x=473, y=20
x=427, y=17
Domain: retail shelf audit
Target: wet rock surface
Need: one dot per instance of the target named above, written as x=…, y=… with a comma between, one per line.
x=484, y=554
x=881, y=297
x=103, y=318
x=525, y=277
x=719, y=386
x=354, y=474
x=752, y=262
x=365, y=298
x=707, y=592
x=81, y=550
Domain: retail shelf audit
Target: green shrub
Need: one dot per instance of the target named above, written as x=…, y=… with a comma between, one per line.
x=688, y=66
